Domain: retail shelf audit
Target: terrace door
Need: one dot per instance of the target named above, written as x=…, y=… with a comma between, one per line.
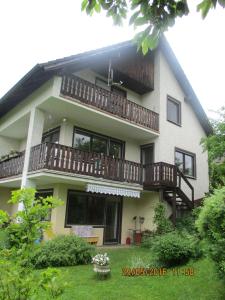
x=112, y=220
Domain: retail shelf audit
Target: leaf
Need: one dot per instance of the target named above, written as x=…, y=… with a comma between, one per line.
x=140, y=21
x=204, y=7
x=97, y=7
x=84, y=4
x=133, y=17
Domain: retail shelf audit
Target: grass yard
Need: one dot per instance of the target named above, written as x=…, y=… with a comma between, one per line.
x=204, y=285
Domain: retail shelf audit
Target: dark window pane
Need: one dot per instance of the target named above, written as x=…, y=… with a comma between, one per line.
x=118, y=91
x=115, y=149
x=185, y=162
x=95, y=210
x=179, y=160
x=82, y=141
x=44, y=194
x=173, y=111
x=84, y=209
x=99, y=145
x=189, y=168
x=102, y=83
x=76, y=211
x=51, y=136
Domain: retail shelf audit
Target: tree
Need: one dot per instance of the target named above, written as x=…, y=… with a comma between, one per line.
x=211, y=226
x=154, y=16
x=215, y=145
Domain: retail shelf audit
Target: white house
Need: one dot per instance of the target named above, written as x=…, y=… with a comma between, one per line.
x=111, y=133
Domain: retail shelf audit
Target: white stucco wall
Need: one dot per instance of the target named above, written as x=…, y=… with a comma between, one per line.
x=8, y=144
x=187, y=136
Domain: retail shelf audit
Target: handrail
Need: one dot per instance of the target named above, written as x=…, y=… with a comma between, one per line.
x=87, y=92
x=68, y=159
x=182, y=176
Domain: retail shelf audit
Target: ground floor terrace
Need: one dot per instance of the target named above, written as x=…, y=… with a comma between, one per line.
x=110, y=218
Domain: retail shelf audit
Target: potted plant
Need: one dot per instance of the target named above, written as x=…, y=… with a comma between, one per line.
x=101, y=264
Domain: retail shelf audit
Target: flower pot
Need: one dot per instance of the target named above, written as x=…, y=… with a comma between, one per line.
x=104, y=270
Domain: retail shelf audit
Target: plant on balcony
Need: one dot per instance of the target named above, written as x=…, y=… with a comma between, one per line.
x=11, y=154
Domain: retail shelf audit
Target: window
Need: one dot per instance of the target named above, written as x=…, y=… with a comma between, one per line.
x=84, y=209
x=173, y=111
x=92, y=142
x=82, y=141
x=51, y=136
x=44, y=194
x=186, y=162
x=115, y=89
x=102, y=83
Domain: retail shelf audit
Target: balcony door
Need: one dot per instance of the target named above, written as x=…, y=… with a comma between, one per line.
x=147, y=154
x=112, y=220
x=147, y=158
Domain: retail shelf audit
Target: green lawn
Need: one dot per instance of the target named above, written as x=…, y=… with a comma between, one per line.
x=83, y=284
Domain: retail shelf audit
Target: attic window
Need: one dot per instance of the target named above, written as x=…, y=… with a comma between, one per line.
x=173, y=111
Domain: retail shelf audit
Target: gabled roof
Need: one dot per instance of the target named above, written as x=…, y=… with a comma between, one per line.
x=43, y=72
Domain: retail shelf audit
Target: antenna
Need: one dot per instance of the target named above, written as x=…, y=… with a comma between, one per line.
x=110, y=75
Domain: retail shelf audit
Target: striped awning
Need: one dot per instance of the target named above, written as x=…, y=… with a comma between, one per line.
x=102, y=189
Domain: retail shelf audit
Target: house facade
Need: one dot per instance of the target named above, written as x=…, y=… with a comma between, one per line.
x=111, y=133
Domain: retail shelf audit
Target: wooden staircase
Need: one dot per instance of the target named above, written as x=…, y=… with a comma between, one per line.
x=173, y=185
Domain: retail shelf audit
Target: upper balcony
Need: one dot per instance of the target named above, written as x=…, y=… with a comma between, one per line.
x=112, y=103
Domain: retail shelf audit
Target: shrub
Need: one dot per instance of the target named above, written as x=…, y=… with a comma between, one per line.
x=173, y=249
x=163, y=225
x=211, y=226
x=61, y=251
x=4, y=239
x=17, y=282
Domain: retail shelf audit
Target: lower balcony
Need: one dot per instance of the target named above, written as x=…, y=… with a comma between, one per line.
x=68, y=160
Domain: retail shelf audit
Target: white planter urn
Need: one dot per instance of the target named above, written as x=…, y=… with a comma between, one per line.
x=104, y=270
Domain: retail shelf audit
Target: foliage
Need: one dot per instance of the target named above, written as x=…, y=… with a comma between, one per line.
x=215, y=145
x=4, y=239
x=162, y=223
x=52, y=281
x=101, y=259
x=27, y=225
x=154, y=17
x=211, y=225
x=61, y=251
x=187, y=222
x=173, y=249
x=17, y=282
x=19, y=233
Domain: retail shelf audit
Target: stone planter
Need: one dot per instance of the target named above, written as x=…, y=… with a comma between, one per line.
x=103, y=270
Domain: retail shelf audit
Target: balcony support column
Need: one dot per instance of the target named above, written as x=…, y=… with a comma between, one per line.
x=174, y=208
x=34, y=136
x=66, y=133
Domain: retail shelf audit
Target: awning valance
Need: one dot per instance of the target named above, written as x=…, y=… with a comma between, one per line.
x=102, y=189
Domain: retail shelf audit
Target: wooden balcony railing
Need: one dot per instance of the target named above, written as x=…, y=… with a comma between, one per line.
x=160, y=174
x=67, y=159
x=12, y=166
x=166, y=175
x=70, y=160
x=77, y=88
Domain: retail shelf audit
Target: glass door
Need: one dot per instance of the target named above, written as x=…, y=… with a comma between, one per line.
x=112, y=220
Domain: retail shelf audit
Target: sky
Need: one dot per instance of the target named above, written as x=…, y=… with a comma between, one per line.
x=34, y=31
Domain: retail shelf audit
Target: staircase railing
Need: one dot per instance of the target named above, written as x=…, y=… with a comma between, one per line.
x=185, y=186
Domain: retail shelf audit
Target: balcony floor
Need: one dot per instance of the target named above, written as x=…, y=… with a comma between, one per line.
x=88, y=117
